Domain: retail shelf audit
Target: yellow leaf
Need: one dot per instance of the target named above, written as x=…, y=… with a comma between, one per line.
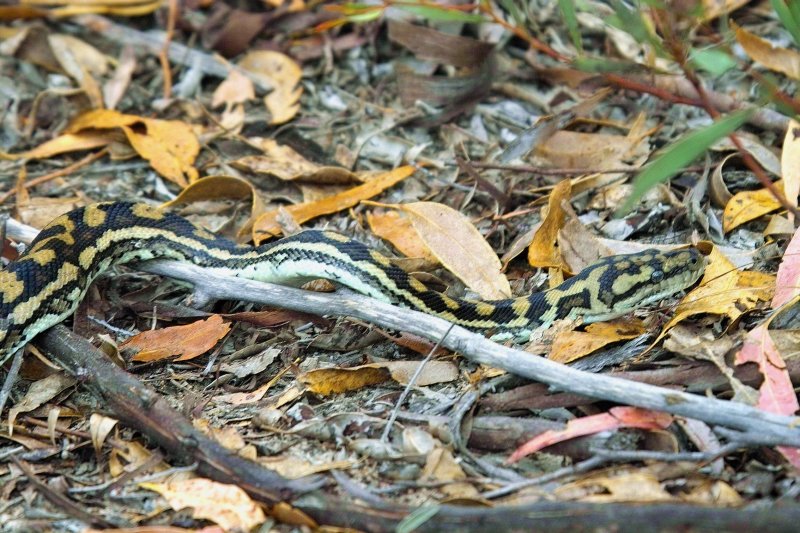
x=226, y=505
x=542, y=251
x=69, y=142
x=170, y=146
x=775, y=58
x=267, y=225
x=456, y=243
x=571, y=345
x=724, y=290
x=325, y=381
x=440, y=465
x=749, y=205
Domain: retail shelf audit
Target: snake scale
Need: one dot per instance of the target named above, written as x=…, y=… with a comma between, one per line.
x=47, y=282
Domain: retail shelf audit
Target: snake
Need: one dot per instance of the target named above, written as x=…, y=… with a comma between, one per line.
x=47, y=282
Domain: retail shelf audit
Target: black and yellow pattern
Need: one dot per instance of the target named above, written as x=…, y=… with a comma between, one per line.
x=45, y=285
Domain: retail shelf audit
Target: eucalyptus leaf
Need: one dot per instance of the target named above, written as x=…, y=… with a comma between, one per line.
x=680, y=154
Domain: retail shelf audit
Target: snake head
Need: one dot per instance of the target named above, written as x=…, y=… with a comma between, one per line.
x=633, y=281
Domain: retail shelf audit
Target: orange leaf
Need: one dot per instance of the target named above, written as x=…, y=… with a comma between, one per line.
x=267, y=224
x=615, y=418
x=187, y=341
x=396, y=229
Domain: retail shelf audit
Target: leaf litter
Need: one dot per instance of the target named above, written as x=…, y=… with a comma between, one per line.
x=446, y=145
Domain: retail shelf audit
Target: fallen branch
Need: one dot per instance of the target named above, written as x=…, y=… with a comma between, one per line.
x=142, y=408
x=771, y=428
x=138, y=406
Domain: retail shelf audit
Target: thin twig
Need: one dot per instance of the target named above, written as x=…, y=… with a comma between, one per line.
x=11, y=378
x=410, y=383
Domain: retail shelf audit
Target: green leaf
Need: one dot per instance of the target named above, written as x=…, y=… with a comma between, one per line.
x=601, y=65
x=364, y=17
x=788, y=18
x=680, y=154
x=440, y=13
x=515, y=12
x=712, y=60
x=631, y=21
x=571, y=20
x=416, y=518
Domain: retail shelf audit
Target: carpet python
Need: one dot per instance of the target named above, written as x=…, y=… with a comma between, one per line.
x=48, y=281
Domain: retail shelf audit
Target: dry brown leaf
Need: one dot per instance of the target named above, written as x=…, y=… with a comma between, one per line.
x=775, y=58
x=218, y=187
x=38, y=393
x=579, y=246
x=227, y=436
x=187, y=341
x=716, y=8
x=99, y=428
x=292, y=467
x=82, y=62
x=268, y=226
x=226, y=505
x=571, y=345
x=753, y=145
x=39, y=211
x=281, y=73
x=398, y=230
x=442, y=466
x=285, y=163
x=170, y=146
x=542, y=252
x=114, y=89
x=724, y=290
x=325, y=381
x=130, y=457
x=749, y=205
x=235, y=89
x=641, y=487
x=458, y=246
x=790, y=163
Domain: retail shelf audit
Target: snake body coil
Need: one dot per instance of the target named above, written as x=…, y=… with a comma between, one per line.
x=48, y=281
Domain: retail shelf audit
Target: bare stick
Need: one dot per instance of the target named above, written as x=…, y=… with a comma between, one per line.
x=766, y=427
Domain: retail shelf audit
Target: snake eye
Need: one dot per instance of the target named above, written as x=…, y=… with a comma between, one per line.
x=657, y=276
